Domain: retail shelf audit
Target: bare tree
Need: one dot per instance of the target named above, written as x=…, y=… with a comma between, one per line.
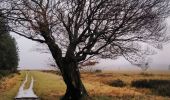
x=74, y=30
x=145, y=64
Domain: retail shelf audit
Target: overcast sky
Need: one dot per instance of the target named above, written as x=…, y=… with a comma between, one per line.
x=32, y=59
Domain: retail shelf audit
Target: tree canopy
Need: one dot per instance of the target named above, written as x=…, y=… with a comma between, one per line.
x=107, y=28
x=75, y=30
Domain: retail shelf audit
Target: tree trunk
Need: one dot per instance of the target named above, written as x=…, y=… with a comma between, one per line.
x=70, y=72
x=75, y=88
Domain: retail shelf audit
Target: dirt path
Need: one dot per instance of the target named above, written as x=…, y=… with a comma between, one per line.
x=26, y=93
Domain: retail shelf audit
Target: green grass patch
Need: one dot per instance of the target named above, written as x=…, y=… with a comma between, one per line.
x=48, y=86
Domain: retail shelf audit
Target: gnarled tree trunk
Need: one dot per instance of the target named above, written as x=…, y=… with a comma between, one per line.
x=75, y=88
x=71, y=75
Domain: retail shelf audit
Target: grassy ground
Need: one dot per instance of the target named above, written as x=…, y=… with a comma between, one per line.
x=100, y=88
x=49, y=86
x=9, y=86
x=27, y=84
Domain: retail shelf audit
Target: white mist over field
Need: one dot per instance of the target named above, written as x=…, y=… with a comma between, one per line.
x=32, y=59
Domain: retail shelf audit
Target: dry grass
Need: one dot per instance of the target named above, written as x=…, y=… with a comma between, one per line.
x=49, y=86
x=125, y=76
x=98, y=84
x=9, y=86
x=27, y=84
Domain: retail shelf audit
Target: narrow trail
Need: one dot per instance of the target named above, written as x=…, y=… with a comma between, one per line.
x=26, y=94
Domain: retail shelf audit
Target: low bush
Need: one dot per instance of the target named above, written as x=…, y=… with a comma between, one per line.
x=1, y=76
x=117, y=83
x=163, y=90
x=141, y=84
x=4, y=72
x=98, y=71
x=159, y=87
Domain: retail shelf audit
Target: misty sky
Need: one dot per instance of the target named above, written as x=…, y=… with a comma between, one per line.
x=30, y=58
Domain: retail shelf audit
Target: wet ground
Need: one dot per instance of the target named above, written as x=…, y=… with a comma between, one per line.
x=26, y=94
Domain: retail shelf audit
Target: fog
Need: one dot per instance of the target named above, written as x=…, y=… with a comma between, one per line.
x=33, y=59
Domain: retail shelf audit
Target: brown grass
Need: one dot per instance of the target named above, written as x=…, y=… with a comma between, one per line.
x=9, y=86
x=8, y=82
x=49, y=86
x=98, y=84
